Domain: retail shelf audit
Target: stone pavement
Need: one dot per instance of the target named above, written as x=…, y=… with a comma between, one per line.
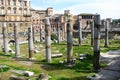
x=112, y=71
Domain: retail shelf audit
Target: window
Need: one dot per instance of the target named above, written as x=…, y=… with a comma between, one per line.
x=21, y=24
x=2, y=10
x=10, y=25
x=19, y=2
x=14, y=2
x=25, y=11
x=9, y=10
x=20, y=11
x=26, y=24
x=8, y=2
x=25, y=3
x=1, y=2
x=15, y=11
x=29, y=3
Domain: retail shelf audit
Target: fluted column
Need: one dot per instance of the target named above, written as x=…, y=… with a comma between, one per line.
x=40, y=27
x=92, y=33
x=58, y=32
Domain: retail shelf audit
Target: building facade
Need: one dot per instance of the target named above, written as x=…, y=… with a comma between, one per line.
x=38, y=17
x=20, y=11
x=12, y=11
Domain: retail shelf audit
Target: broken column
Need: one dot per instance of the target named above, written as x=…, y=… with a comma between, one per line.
x=80, y=30
x=48, y=39
x=17, y=48
x=40, y=32
x=96, y=55
x=58, y=32
x=30, y=43
x=106, y=24
x=33, y=32
x=69, y=42
x=92, y=32
x=5, y=41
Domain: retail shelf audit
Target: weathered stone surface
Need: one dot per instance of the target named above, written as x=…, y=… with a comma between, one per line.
x=81, y=58
x=48, y=40
x=80, y=30
x=112, y=52
x=17, y=48
x=18, y=72
x=112, y=71
x=28, y=73
x=5, y=40
x=106, y=24
x=24, y=73
x=57, y=55
x=96, y=46
x=81, y=55
x=30, y=42
x=43, y=76
x=73, y=60
x=69, y=42
x=36, y=51
x=55, y=41
x=92, y=33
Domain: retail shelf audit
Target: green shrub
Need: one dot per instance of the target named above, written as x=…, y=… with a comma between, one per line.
x=53, y=36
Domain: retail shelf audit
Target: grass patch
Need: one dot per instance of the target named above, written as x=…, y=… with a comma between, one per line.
x=54, y=69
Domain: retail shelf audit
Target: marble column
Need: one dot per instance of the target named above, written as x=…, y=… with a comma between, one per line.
x=48, y=39
x=30, y=43
x=96, y=54
x=106, y=33
x=5, y=40
x=16, y=37
x=69, y=42
x=80, y=31
x=92, y=33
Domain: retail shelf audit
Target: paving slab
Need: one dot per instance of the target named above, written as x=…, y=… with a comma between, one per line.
x=112, y=70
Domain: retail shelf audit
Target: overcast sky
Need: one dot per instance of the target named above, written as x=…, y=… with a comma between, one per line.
x=106, y=8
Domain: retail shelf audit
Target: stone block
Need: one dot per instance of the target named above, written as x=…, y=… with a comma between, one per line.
x=43, y=76
x=81, y=55
x=57, y=55
x=28, y=73
x=36, y=51
x=61, y=62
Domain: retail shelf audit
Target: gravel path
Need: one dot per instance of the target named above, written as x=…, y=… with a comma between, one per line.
x=112, y=71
